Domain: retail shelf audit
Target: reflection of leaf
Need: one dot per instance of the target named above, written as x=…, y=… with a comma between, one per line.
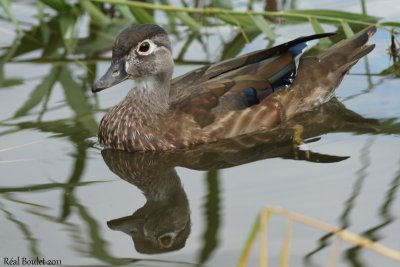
x=45, y=32
x=75, y=176
x=55, y=42
x=25, y=230
x=11, y=197
x=37, y=95
x=67, y=127
x=11, y=82
x=6, y=8
x=90, y=73
x=30, y=41
x=98, y=246
x=101, y=39
x=74, y=94
x=41, y=187
x=36, y=38
x=3, y=59
x=77, y=99
x=67, y=26
x=213, y=220
x=389, y=126
x=392, y=70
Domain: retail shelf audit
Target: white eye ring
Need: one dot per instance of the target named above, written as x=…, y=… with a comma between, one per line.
x=146, y=47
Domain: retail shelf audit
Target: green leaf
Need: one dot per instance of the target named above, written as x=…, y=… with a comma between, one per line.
x=264, y=26
x=141, y=15
x=347, y=30
x=95, y=13
x=58, y=5
x=227, y=4
x=391, y=23
x=188, y=21
x=171, y=19
x=236, y=20
x=324, y=15
x=37, y=95
x=126, y=13
x=190, y=38
x=317, y=27
x=227, y=18
x=235, y=46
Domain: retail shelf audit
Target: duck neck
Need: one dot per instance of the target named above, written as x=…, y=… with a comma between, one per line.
x=151, y=94
x=135, y=123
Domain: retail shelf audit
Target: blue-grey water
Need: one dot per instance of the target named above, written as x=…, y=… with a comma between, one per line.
x=57, y=192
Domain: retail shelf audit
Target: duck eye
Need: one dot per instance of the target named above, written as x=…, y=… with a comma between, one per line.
x=144, y=47
x=166, y=240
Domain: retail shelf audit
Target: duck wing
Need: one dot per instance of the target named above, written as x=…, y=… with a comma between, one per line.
x=181, y=83
x=237, y=83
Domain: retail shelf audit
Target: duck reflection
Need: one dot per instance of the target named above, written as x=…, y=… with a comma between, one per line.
x=163, y=223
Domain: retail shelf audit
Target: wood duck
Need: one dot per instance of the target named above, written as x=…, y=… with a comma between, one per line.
x=255, y=92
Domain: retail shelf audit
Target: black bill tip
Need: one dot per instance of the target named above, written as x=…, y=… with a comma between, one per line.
x=114, y=75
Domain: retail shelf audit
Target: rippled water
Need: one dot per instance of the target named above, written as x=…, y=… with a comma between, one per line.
x=63, y=198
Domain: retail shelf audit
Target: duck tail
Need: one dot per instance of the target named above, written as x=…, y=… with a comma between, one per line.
x=318, y=77
x=347, y=52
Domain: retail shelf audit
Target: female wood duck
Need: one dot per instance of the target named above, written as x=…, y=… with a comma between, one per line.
x=251, y=93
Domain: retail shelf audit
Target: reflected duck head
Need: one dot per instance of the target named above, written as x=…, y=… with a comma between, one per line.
x=155, y=228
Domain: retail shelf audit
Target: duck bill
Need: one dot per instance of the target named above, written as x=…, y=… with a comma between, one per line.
x=114, y=75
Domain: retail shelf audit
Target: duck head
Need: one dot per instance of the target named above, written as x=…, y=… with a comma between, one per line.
x=141, y=53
